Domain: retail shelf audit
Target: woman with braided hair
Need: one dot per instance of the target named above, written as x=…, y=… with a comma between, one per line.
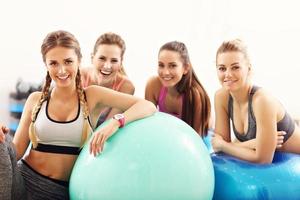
x=177, y=90
x=57, y=121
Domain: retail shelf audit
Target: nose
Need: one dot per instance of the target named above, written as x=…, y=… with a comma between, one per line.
x=107, y=65
x=62, y=69
x=165, y=71
x=228, y=73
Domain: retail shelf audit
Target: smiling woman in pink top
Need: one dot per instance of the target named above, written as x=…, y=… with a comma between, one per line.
x=177, y=90
x=107, y=70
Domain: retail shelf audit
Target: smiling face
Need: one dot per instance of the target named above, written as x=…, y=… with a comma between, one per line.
x=170, y=68
x=62, y=64
x=107, y=62
x=233, y=70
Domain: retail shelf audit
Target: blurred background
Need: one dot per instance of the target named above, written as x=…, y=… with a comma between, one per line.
x=270, y=28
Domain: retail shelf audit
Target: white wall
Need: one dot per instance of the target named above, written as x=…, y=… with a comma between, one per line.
x=270, y=28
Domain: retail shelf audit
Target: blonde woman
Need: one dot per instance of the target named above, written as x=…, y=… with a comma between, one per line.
x=260, y=122
x=108, y=71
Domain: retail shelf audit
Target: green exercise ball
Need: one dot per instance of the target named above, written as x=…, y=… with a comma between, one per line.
x=155, y=158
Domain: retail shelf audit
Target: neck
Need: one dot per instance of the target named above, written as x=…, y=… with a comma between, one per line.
x=109, y=83
x=64, y=94
x=173, y=92
x=241, y=96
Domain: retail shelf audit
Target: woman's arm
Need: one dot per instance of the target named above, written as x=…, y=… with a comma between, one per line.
x=21, y=138
x=265, y=136
x=132, y=107
x=222, y=121
x=252, y=143
x=126, y=88
x=152, y=90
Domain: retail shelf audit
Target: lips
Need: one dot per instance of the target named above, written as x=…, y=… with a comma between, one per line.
x=63, y=77
x=166, y=78
x=105, y=73
x=229, y=81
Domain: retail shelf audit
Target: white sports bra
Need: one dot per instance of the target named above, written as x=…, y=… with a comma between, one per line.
x=56, y=136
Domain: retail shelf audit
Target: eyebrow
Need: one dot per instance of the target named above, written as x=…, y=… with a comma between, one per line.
x=236, y=63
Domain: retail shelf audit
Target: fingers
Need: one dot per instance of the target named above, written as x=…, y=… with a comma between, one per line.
x=97, y=143
x=2, y=137
x=280, y=138
x=281, y=133
x=4, y=129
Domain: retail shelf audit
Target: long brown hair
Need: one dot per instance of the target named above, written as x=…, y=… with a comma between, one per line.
x=190, y=87
x=112, y=39
x=67, y=40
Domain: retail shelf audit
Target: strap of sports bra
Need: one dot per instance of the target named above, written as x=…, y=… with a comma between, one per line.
x=117, y=85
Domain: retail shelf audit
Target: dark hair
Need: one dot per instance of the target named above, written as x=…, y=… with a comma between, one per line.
x=190, y=86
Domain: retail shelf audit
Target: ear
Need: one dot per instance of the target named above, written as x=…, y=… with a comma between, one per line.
x=187, y=69
x=92, y=57
x=250, y=67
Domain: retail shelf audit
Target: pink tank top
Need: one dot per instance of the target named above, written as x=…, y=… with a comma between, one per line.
x=161, y=102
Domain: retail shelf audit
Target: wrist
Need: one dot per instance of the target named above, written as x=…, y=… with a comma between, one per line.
x=223, y=145
x=120, y=119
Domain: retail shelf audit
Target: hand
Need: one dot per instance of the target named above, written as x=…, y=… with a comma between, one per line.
x=217, y=142
x=3, y=131
x=101, y=135
x=280, y=137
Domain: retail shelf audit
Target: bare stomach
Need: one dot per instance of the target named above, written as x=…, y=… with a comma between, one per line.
x=56, y=166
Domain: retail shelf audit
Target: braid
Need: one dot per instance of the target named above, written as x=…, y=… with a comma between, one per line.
x=36, y=109
x=86, y=127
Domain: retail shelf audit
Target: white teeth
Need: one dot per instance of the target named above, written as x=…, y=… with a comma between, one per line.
x=167, y=78
x=63, y=77
x=106, y=72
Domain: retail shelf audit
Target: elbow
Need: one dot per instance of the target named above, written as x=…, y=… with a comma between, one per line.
x=151, y=107
x=264, y=160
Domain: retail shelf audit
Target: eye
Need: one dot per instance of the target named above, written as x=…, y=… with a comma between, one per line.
x=114, y=61
x=222, y=69
x=236, y=67
x=101, y=58
x=69, y=62
x=52, y=64
x=160, y=65
x=173, y=65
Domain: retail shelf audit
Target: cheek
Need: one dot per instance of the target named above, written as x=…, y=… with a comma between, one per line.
x=220, y=75
x=117, y=66
x=159, y=71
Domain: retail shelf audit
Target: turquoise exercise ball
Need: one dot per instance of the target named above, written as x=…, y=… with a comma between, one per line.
x=155, y=158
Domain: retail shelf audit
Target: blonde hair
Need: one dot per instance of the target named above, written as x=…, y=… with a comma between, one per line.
x=63, y=39
x=235, y=45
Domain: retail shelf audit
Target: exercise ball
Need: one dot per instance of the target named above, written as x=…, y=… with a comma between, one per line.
x=237, y=179
x=207, y=141
x=156, y=158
